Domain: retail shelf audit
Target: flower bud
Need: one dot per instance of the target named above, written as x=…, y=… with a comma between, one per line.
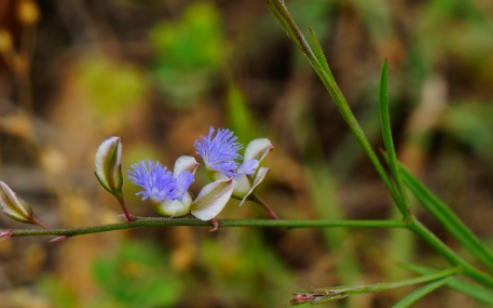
x=212, y=199
x=27, y=12
x=13, y=206
x=5, y=234
x=108, y=165
x=59, y=238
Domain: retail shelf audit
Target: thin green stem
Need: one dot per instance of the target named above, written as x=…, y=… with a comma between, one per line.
x=287, y=22
x=322, y=295
x=143, y=222
x=450, y=255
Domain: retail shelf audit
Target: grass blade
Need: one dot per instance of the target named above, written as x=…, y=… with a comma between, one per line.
x=448, y=219
x=420, y=293
x=478, y=293
x=319, y=54
x=387, y=132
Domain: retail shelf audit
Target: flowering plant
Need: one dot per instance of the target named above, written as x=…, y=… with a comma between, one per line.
x=168, y=192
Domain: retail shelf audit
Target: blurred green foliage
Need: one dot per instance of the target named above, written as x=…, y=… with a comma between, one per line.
x=249, y=273
x=137, y=275
x=241, y=120
x=189, y=52
x=471, y=123
x=112, y=87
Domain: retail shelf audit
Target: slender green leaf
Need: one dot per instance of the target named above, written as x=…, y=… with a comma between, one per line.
x=319, y=54
x=387, y=132
x=476, y=292
x=420, y=293
x=448, y=218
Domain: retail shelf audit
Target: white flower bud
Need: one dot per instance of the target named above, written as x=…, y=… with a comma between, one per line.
x=14, y=206
x=108, y=165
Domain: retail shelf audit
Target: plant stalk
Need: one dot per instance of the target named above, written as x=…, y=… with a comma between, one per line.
x=149, y=222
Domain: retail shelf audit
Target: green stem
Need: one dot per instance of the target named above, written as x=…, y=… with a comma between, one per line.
x=142, y=222
x=322, y=295
x=279, y=10
x=450, y=255
x=448, y=219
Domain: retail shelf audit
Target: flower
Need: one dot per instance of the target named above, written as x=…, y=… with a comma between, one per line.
x=167, y=192
x=220, y=154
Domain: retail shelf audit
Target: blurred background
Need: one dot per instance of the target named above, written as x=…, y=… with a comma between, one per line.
x=160, y=73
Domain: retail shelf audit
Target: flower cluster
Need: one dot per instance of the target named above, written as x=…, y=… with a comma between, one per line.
x=231, y=175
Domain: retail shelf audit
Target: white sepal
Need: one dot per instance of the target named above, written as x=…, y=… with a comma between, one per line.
x=261, y=173
x=257, y=149
x=241, y=187
x=185, y=162
x=212, y=199
x=173, y=208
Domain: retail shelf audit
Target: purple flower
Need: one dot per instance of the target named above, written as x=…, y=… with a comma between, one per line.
x=158, y=183
x=220, y=153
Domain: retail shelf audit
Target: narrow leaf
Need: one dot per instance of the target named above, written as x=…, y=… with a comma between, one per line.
x=476, y=292
x=319, y=53
x=387, y=131
x=420, y=293
x=447, y=218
